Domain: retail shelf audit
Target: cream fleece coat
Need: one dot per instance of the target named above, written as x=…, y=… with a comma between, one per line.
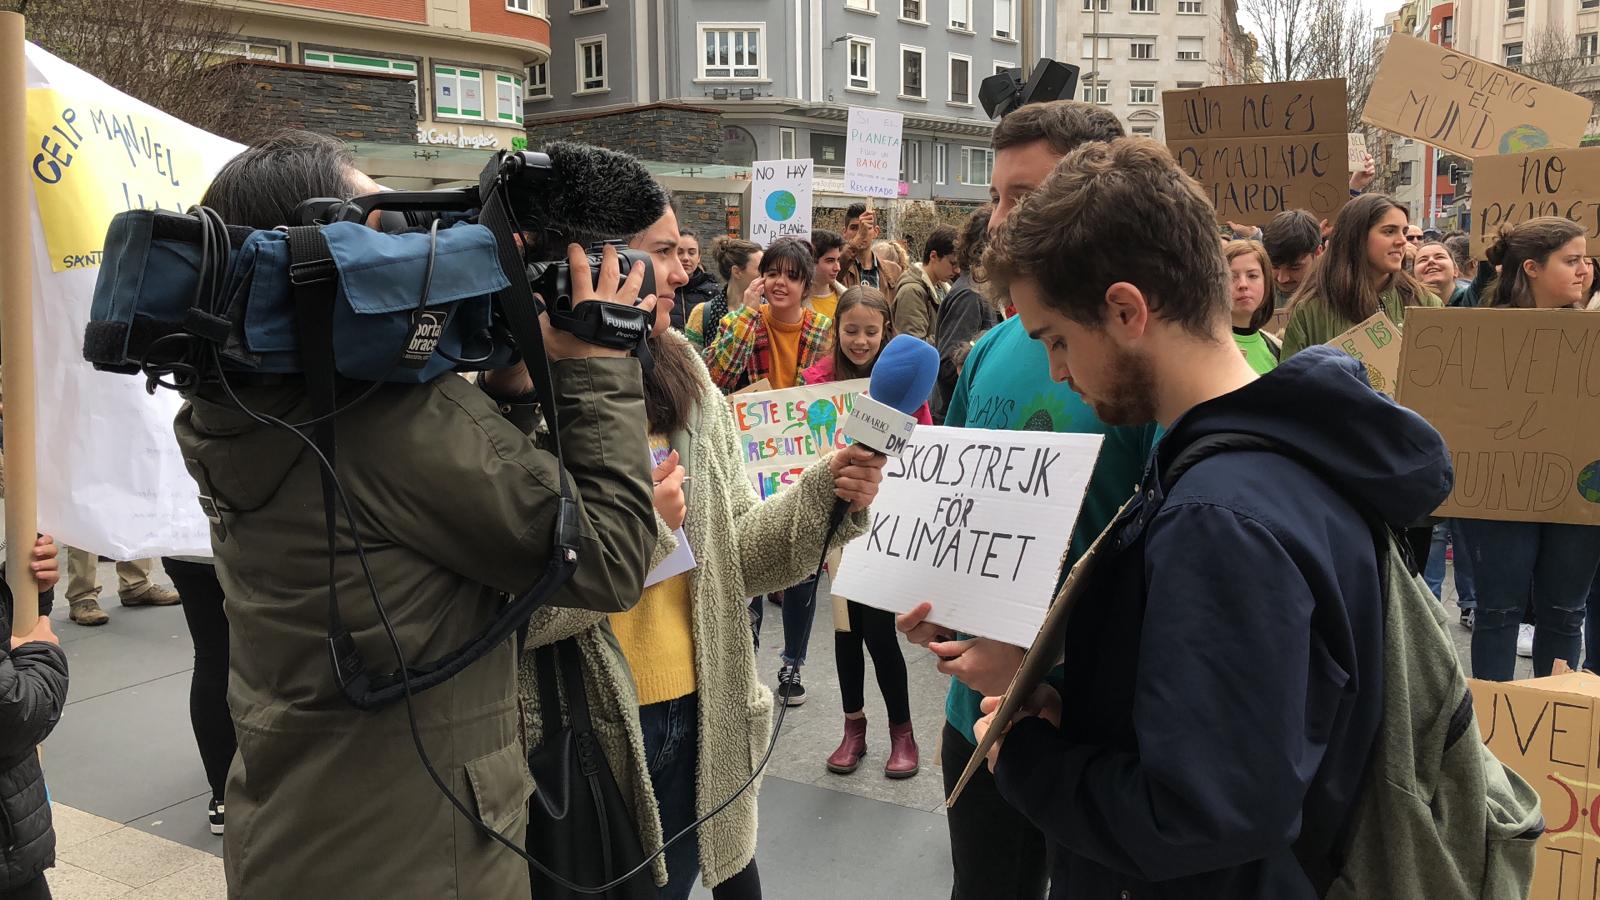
x=744, y=548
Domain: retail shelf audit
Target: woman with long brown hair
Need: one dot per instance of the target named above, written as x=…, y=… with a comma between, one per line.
x=1362, y=271
x=1552, y=566
x=679, y=713
x=739, y=263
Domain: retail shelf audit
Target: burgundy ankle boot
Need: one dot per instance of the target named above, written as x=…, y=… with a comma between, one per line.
x=902, y=752
x=854, y=746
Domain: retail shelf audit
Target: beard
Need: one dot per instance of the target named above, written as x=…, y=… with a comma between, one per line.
x=1131, y=397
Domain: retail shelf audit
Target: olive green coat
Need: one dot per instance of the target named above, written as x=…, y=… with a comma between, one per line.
x=1313, y=321
x=455, y=508
x=743, y=548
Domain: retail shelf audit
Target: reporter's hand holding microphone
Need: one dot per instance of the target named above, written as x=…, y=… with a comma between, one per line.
x=514, y=381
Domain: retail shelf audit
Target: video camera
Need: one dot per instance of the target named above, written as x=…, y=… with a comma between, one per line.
x=434, y=287
x=1005, y=90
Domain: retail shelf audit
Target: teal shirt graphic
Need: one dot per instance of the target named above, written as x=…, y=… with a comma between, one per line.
x=1006, y=385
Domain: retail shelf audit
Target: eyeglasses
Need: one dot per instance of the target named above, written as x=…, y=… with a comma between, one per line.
x=1414, y=238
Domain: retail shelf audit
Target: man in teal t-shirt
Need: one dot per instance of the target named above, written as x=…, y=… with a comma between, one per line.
x=1006, y=384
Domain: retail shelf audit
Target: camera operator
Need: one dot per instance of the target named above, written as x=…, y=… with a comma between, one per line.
x=455, y=506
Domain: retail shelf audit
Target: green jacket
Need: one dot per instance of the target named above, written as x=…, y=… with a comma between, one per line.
x=743, y=548
x=916, y=304
x=1314, y=322
x=455, y=507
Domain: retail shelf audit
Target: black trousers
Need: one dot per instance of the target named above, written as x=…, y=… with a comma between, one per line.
x=208, y=686
x=874, y=628
x=36, y=889
x=997, y=853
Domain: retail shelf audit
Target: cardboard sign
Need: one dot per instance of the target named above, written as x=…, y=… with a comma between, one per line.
x=1517, y=187
x=1357, y=148
x=781, y=433
x=1261, y=149
x=1546, y=729
x=1376, y=342
x=1278, y=323
x=976, y=522
x=1514, y=392
x=872, y=153
x=1465, y=105
x=780, y=200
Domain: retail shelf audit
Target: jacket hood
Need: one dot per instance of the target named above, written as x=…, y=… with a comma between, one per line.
x=1319, y=402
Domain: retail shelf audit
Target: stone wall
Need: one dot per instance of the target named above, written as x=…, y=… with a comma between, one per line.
x=707, y=214
x=352, y=106
x=657, y=133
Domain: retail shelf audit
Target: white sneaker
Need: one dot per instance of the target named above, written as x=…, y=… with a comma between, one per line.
x=1525, y=641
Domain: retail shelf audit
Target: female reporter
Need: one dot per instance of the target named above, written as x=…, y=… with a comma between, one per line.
x=672, y=684
x=1550, y=565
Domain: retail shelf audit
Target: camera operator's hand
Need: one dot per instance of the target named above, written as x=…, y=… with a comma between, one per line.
x=515, y=380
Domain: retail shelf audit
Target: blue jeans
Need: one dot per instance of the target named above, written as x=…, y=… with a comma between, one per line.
x=1449, y=533
x=1591, y=629
x=1554, y=565
x=671, y=748
x=799, y=611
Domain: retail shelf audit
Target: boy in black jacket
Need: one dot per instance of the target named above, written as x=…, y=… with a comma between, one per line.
x=1224, y=669
x=33, y=688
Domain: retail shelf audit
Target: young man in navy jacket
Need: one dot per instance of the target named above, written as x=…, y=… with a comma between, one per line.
x=1224, y=668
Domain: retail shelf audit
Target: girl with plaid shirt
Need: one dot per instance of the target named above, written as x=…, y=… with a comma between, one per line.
x=778, y=339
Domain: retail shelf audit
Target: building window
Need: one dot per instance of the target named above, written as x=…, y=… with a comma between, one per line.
x=828, y=150
x=1005, y=19
x=1405, y=172
x=457, y=93
x=910, y=162
x=859, y=5
x=539, y=8
x=592, y=74
x=1190, y=8
x=1447, y=31
x=251, y=50
x=1516, y=9
x=860, y=64
x=786, y=143
x=1190, y=85
x=359, y=63
x=1088, y=5
x=941, y=164
x=1512, y=54
x=1142, y=6
x=733, y=51
x=961, y=15
x=1144, y=131
x=1591, y=4
x=1089, y=48
x=1588, y=45
x=586, y=5
x=912, y=11
x=1097, y=92
x=1142, y=93
x=1191, y=48
x=1142, y=49
x=960, y=79
x=508, y=99
x=911, y=60
x=539, y=81
x=977, y=163
x=1000, y=67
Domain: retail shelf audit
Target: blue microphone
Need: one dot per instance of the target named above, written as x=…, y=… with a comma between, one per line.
x=884, y=417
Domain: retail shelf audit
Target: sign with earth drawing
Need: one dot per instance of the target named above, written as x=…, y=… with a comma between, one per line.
x=1465, y=105
x=1514, y=394
x=780, y=200
x=781, y=433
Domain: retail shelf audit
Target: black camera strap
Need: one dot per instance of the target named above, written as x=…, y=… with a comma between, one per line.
x=314, y=283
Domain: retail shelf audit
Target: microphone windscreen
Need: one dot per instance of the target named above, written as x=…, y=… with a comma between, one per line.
x=904, y=374
x=598, y=191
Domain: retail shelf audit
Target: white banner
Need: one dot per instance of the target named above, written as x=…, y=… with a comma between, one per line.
x=111, y=478
x=975, y=522
x=872, y=153
x=780, y=200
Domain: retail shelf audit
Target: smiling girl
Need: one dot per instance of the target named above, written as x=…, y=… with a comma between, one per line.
x=862, y=329
x=1362, y=271
x=779, y=338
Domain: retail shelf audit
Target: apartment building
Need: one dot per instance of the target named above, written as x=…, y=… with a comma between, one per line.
x=1130, y=51
x=467, y=60
x=778, y=78
x=1549, y=35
